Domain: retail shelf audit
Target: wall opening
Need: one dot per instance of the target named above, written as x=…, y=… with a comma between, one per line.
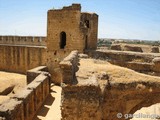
x=86, y=42
x=87, y=23
x=62, y=40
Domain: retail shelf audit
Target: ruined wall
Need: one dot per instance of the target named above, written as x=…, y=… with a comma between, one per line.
x=23, y=40
x=135, y=48
x=21, y=58
x=81, y=102
x=25, y=104
x=69, y=66
x=89, y=26
x=142, y=62
x=127, y=98
x=105, y=98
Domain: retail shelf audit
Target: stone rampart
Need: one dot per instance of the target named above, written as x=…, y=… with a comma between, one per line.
x=25, y=104
x=23, y=40
x=21, y=58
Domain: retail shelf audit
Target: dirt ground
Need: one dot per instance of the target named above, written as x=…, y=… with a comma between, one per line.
x=10, y=83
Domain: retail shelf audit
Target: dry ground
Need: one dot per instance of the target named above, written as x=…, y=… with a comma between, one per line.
x=10, y=83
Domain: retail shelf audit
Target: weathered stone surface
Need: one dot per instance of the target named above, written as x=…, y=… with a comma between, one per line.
x=81, y=102
x=116, y=47
x=27, y=96
x=69, y=66
x=142, y=62
x=132, y=48
x=156, y=64
x=12, y=110
x=33, y=73
x=69, y=29
x=104, y=90
x=83, y=55
x=16, y=58
x=155, y=49
x=2, y=118
x=23, y=40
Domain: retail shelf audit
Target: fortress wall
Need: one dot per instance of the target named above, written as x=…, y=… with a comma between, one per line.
x=142, y=62
x=21, y=58
x=23, y=40
x=127, y=98
x=53, y=60
x=93, y=100
x=81, y=102
x=69, y=67
x=25, y=104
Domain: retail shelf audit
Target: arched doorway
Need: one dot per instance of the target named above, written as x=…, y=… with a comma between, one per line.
x=62, y=40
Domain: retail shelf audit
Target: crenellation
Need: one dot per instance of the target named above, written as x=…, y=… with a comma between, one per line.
x=23, y=40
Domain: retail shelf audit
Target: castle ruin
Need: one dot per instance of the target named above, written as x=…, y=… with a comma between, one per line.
x=92, y=88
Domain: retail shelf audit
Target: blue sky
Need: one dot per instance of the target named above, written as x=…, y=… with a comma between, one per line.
x=133, y=19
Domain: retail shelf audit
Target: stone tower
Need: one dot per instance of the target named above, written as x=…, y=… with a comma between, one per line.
x=69, y=29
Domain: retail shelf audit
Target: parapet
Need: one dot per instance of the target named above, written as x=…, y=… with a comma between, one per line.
x=25, y=104
x=69, y=67
x=23, y=40
x=72, y=7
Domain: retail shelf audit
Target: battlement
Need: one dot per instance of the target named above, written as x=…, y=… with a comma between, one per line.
x=72, y=7
x=23, y=40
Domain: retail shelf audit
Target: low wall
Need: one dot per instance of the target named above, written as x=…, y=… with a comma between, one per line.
x=21, y=58
x=69, y=66
x=142, y=62
x=33, y=73
x=23, y=40
x=25, y=104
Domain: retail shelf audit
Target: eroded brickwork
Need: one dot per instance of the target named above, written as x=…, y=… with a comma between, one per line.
x=68, y=29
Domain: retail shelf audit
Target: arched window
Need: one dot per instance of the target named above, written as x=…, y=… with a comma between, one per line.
x=62, y=40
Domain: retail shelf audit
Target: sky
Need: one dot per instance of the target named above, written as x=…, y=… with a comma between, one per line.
x=128, y=19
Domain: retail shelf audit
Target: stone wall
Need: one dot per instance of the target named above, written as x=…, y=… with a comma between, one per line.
x=127, y=98
x=81, y=102
x=135, y=48
x=142, y=62
x=69, y=66
x=33, y=73
x=25, y=104
x=103, y=99
x=23, y=40
x=21, y=58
